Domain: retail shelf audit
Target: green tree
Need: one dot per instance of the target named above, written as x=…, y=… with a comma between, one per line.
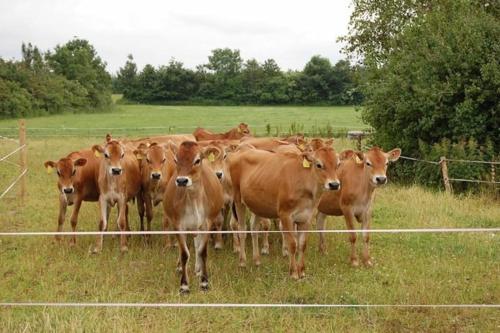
x=126, y=79
x=78, y=60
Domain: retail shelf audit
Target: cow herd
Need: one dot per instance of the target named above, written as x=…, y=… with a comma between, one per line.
x=208, y=181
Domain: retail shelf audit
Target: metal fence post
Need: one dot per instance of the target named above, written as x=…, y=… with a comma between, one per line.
x=23, y=159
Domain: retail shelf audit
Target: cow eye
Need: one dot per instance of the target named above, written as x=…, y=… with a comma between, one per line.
x=224, y=157
x=73, y=173
x=106, y=155
x=163, y=160
x=198, y=161
x=123, y=154
x=368, y=163
x=58, y=173
x=319, y=166
x=148, y=160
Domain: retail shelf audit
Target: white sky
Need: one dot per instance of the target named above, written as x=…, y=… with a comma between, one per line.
x=156, y=31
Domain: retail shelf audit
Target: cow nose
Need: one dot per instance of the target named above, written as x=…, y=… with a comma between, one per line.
x=181, y=181
x=156, y=175
x=334, y=186
x=219, y=174
x=68, y=190
x=116, y=171
x=381, y=180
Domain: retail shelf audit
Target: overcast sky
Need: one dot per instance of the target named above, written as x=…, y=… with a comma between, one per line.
x=156, y=31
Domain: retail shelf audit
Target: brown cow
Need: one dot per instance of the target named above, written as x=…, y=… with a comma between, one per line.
x=360, y=174
x=162, y=139
x=119, y=182
x=236, y=133
x=284, y=186
x=157, y=167
x=77, y=182
x=193, y=202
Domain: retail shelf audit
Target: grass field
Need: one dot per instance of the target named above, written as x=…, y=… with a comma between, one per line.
x=409, y=268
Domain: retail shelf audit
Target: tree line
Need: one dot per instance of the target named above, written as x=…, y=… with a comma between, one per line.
x=432, y=81
x=227, y=79
x=69, y=77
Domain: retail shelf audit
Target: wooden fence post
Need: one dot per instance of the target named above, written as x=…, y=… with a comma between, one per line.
x=444, y=171
x=23, y=159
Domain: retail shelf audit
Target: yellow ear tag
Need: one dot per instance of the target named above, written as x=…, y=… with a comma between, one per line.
x=302, y=147
x=138, y=156
x=239, y=130
x=49, y=169
x=305, y=163
x=211, y=157
x=97, y=153
x=358, y=161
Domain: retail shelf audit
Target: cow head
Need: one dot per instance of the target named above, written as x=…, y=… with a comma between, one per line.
x=66, y=172
x=188, y=159
x=243, y=129
x=216, y=153
x=113, y=152
x=324, y=162
x=154, y=156
x=375, y=162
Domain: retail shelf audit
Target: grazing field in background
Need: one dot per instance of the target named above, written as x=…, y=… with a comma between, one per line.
x=409, y=268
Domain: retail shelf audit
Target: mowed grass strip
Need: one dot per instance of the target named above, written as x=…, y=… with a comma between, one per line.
x=409, y=268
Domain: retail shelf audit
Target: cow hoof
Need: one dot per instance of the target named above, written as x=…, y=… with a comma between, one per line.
x=124, y=249
x=243, y=264
x=265, y=251
x=218, y=246
x=184, y=290
x=368, y=263
x=204, y=286
x=257, y=263
x=72, y=244
x=95, y=250
x=354, y=263
x=294, y=276
x=178, y=270
x=236, y=250
x=302, y=275
x=284, y=253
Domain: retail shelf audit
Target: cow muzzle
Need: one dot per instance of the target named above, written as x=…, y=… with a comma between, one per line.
x=333, y=185
x=219, y=174
x=156, y=175
x=115, y=171
x=183, y=182
x=68, y=190
x=379, y=180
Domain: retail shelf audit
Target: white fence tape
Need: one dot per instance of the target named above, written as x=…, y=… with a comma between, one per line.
x=12, y=152
x=341, y=231
x=13, y=183
x=245, y=305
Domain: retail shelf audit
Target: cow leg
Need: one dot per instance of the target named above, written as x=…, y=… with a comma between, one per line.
x=349, y=220
x=183, y=258
x=103, y=224
x=74, y=219
x=366, y=221
x=265, y=225
x=320, y=226
x=240, y=212
x=288, y=231
x=201, y=247
x=63, y=206
x=122, y=223
x=149, y=215
x=254, y=226
x=141, y=209
x=219, y=244
x=236, y=240
x=166, y=223
x=302, y=243
x=284, y=248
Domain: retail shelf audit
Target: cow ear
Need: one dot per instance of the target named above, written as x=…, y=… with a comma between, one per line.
x=153, y=144
x=98, y=150
x=211, y=153
x=108, y=138
x=172, y=146
x=393, y=155
x=139, y=154
x=346, y=154
x=328, y=142
x=50, y=165
x=80, y=162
